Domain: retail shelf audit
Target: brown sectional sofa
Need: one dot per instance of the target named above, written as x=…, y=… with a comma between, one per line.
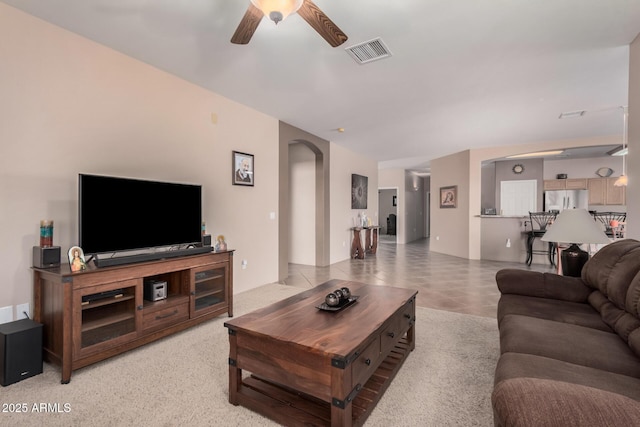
x=570, y=346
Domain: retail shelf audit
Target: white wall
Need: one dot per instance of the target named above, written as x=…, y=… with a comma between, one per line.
x=343, y=164
x=302, y=206
x=70, y=106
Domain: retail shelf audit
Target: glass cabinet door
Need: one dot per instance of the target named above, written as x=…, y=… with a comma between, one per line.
x=107, y=313
x=209, y=287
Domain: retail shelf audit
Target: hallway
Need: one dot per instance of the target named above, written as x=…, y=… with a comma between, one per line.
x=443, y=282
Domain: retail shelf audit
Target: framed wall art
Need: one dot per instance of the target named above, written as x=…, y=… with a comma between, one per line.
x=242, y=167
x=359, y=190
x=449, y=197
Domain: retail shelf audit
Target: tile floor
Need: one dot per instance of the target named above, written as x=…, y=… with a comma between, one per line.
x=443, y=282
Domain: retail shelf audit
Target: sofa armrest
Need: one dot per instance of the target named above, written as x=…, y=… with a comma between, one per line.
x=539, y=402
x=542, y=285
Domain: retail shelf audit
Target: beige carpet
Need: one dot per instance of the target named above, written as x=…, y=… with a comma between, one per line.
x=183, y=379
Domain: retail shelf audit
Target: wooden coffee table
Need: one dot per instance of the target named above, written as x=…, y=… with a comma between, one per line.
x=305, y=366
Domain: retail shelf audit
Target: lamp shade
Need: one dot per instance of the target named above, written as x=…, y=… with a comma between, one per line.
x=575, y=226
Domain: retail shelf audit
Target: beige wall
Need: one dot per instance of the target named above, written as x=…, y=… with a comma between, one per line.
x=450, y=226
x=71, y=106
x=633, y=159
x=343, y=164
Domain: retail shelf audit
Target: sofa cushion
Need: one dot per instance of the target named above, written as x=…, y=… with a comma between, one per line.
x=519, y=365
x=548, y=403
x=611, y=271
x=551, y=309
x=570, y=343
x=543, y=285
x=614, y=273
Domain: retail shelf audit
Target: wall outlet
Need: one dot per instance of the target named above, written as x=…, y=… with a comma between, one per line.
x=21, y=309
x=244, y=264
x=6, y=314
x=508, y=243
x=437, y=237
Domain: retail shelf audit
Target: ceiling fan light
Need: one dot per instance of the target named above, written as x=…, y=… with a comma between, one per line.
x=277, y=10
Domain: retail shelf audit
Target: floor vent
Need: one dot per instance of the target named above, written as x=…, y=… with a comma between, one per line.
x=369, y=51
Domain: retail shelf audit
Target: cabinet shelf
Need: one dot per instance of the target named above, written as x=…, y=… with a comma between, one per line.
x=106, y=301
x=200, y=294
x=106, y=321
x=207, y=301
x=205, y=276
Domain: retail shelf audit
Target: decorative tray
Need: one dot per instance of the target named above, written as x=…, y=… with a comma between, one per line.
x=340, y=306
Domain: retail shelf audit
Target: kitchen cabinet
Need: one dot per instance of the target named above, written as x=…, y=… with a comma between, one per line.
x=565, y=184
x=603, y=192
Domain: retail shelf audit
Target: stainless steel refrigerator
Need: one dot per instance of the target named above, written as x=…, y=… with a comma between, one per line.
x=559, y=200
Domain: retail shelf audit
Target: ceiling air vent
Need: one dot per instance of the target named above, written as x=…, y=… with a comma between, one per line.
x=369, y=51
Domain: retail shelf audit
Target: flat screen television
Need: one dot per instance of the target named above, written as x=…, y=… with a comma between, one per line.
x=123, y=214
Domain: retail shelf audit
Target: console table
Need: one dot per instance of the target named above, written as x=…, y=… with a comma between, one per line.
x=97, y=313
x=371, y=241
x=314, y=367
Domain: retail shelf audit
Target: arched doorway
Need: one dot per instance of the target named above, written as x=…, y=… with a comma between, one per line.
x=320, y=149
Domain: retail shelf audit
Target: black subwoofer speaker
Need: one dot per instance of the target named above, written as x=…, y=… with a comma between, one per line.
x=20, y=351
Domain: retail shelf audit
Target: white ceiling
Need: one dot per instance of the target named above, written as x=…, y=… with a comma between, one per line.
x=463, y=74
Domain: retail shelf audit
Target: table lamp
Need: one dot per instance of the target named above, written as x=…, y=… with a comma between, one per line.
x=574, y=226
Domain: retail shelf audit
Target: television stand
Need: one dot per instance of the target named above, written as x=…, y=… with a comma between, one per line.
x=102, y=260
x=97, y=313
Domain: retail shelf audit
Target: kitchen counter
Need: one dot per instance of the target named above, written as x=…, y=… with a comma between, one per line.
x=504, y=216
x=504, y=238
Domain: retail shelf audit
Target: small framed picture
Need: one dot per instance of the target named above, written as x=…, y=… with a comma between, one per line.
x=243, y=173
x=76, y=259
x=449, y=197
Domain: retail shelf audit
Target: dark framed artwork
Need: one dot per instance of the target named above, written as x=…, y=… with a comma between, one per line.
x=449, y=197
x=395, y=201
x=242, y=168
x=359, y=190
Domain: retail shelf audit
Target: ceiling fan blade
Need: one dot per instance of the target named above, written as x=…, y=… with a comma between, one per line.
x=321, y=23
x=248, y=25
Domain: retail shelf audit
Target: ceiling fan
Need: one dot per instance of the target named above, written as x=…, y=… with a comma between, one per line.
x=277, y=10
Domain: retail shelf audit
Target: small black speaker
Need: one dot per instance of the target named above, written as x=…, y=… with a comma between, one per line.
x=206, y=240
x=46, y=257
x=20, y=351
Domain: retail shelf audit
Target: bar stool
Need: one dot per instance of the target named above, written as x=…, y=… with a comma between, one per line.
x=611, y=221
x=539, y=222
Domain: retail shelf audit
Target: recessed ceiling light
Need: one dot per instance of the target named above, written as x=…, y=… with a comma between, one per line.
x=572, y=114
x=536, y=154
